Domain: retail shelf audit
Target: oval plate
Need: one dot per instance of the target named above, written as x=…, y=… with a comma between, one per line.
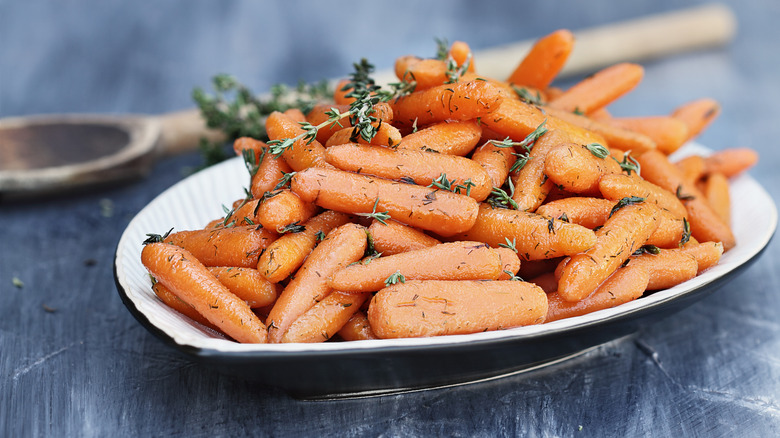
x=339, y=369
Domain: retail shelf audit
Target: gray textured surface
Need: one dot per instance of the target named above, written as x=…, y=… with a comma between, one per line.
x=73, y=361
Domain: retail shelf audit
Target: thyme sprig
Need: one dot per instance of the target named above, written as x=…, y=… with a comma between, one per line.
x=381, y=216
x=526, y=145
x=625, y=202
x=394, y=278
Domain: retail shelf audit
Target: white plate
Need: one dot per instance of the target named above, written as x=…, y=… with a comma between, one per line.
x=195, y=201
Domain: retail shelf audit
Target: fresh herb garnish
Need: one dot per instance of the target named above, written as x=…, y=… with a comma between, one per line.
x=381, y=216
x=598, y=150
x=625, y=202
x=394, y=278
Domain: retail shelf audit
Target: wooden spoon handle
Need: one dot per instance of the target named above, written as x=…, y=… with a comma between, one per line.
x=635, y=40
x=181, y=131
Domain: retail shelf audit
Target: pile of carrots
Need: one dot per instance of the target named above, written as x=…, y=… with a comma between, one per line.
x=481, y=204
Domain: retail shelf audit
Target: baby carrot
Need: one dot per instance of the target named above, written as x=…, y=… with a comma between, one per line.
x=295, y=114
x=577, y=169
x=393, y=237
x=287, y=253
x=231, y=246
x=600, y=89
x=357, y=328
x=325, y=318
x=461, y=54
x=622, y=234
x=423, y=168
x=531, y=183
x=269, y=172
x=510, y=263
x=618, y=186
x=249, y=144
x=697, y=115
x=342, y=246
x=448, y=137
x=340, y=94
x=692, y=167
x=303, y=154
x=668, y=133
x=612, y=136
x=436, y=307
x=319, y=114
x=533, y=236
x=189, y=280
x=581, y=210
x=626, y=284
x=705, y=224
x=496, y=161
x=386, y=135
x=454, y=261
x=544, y=61
x=516, y=119
x=283, y=210
x=716, y=190
x=177, y=304
x=440, y=211
x=247, y=284
x=707, y=254
x=730, y=162
x=459, y=101
x=667, y=268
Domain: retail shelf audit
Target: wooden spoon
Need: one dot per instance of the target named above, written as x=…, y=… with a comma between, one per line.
x=56, y=153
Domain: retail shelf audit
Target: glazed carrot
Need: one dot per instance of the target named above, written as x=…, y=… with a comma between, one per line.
x=668, y=133
x=454, y=261
x=600, y=89
x=247, y=284
x=668, y=268
x=544, y=61
x=601, y=114
x=283, y=210
x=243, y=213
x=393, y=237
x=704, y=222
x=626, y=284
x=319, y=114
x=303, y=154
x=357, y=328
x=697, y=115
x=622, y=234
x=461, y=54
x=425, y=73
x=730, y=162
x=516, y=119
x=436, y=307
x=692, y=167
x=496, y=161
x=707, y=254
x=422, y=168
x=386, y=135
x=340, y=94
x=448, y=137
x=619, y=186
x=586, y=211
x=295, y=114
x=189, y=280
x=510, y=263
x=232, y=246
x=287, y=253
x=612, y=136
x=670, y=231
x=716, y=190
x=325, y=318
x=441, y=211
x=269, y=172
x=176, y=303
x=249, y=144
x=531, y=183
x=340, y=247
x=535, y=237
x=576, y=169
x=459, y=101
